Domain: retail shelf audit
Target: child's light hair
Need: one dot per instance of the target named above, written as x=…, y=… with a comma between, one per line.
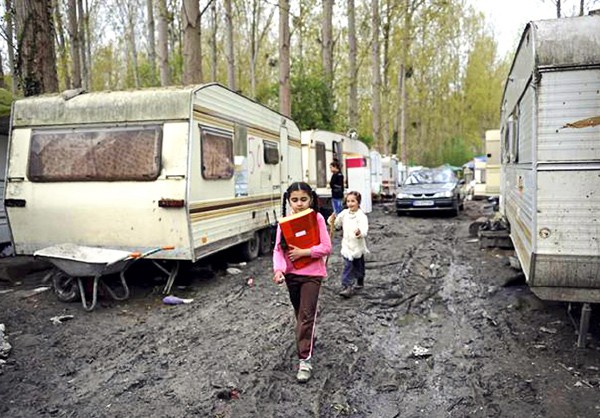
x=356, y=195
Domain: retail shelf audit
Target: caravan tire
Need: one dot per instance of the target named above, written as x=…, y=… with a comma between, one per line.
x=65, y=287
x=251, y=248
x=265, y=241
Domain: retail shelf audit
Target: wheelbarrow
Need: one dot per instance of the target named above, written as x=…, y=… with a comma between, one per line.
x=76, y=262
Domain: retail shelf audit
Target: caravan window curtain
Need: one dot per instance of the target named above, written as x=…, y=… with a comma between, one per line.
x=217, y=154
x=95, y=154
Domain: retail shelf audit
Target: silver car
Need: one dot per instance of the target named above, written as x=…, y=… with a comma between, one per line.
x=430, y=189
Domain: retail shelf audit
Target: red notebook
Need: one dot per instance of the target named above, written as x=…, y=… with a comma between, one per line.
x=301, y=230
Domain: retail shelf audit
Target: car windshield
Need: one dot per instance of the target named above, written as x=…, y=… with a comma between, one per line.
x=431, y=177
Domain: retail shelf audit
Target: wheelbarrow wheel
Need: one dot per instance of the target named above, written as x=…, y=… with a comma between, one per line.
x=65, y=287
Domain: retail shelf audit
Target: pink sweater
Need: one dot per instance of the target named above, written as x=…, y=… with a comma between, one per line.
x=281, y=261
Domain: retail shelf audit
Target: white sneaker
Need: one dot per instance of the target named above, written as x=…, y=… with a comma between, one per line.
x=304, y=371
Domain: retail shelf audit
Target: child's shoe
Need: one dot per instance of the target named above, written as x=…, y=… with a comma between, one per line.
x=358, y=287
x=347, y=292
x=304, y=371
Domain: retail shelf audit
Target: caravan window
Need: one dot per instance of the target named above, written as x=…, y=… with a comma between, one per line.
x=321, y=164
x=105, y=154
x=337, y=151
x=217, y=153
x=271, y=154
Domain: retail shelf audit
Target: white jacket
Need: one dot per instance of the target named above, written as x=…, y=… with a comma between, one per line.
x=353, y=246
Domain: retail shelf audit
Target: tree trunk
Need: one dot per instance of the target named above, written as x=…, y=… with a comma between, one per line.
x=402, y=115
x=163, y=44
x=376, y=75
x=192, y=55
x=352, y=68
x=61, y=43
x=2, y=83
x=285, y=104
x=151, y=40
x=8, y=4
x=229, y=46
x=213, y=43
x=581, y=4
x=327, y=43
x=82, y=42
x=88, y=44
x=36, y=58
x=75, y=48
x=558, y=12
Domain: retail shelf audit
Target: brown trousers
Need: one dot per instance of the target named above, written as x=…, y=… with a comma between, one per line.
x=304, y=295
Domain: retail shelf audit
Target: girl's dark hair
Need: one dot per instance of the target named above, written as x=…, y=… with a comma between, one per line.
x=355, y=194
x=294, y=187
x=336, y=164
x=300, y=186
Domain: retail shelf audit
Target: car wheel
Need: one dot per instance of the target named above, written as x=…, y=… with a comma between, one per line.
x=456, y=209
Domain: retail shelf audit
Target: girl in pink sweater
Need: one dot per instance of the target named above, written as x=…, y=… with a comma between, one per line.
x=303, y=284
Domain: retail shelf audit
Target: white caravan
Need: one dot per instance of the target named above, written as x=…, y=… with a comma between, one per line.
x=200, y=168
x=389, y=182
x=492, y=164
x=551, y=168
x=376, y=174
x=320, y=148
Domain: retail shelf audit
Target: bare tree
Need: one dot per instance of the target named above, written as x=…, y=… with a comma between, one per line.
x=285, y=104
x=352, y=68
x=61, y=44
x=163, y=43
x=9, y=13
x=557, y=3
x=192, y=52
x=151, y=40
x=376, y=76
x=229, y=49
x=327, y=42
x=213, y=41
x=75, y=47
x=81, y=20
x=36, y=58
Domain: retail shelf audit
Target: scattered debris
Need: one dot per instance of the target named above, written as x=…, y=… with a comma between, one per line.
x=233, y=270
x=5, y=291
x=60, y=319
x=174, y=300
x=420, y=352
x=33, y=292
x=250, y=281
x=5, y=347
x=548, y=330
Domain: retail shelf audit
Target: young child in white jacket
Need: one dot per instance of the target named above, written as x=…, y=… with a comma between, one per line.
x=355, y=226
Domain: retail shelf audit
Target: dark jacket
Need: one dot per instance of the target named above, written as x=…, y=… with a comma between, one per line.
x=337, y=185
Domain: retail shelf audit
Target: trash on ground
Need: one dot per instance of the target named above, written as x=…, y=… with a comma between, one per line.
x=420, y=352
x=233, y=270
x=59, y=319
x=5, y=347
x=35, y=291
x=5, y=291
x=250, y=282
x=548, y=330
x=174, y=300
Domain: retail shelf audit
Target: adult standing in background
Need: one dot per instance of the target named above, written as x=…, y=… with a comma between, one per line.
x=337, y=186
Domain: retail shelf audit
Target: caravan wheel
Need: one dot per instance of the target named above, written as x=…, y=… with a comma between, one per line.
x=251, y=248
x=265, y=241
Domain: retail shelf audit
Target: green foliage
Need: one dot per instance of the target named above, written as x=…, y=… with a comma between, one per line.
x=312, y=106
x=456, y=152
x=6, y=99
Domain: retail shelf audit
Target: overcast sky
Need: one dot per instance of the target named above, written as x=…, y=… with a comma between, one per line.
x=509, y=17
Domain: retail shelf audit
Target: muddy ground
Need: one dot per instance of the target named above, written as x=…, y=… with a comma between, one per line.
x=441, y=329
